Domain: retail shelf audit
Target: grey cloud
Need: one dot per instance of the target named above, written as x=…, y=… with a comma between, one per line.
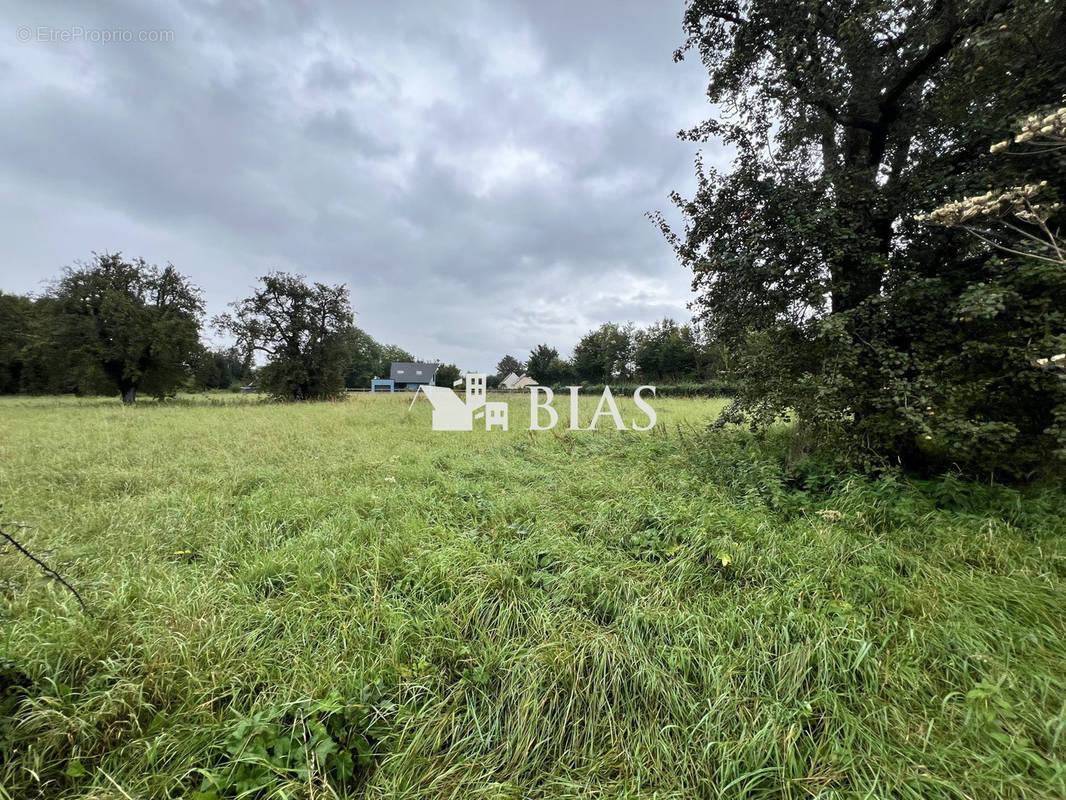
x=486, y=168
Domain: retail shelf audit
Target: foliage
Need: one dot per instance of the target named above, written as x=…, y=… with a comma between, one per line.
x=447, y=374
x=604, y=353
x=122, y=323
x=221, y=369
x=370, y=359
x=711, y=388
x=15, y=686
x=507, y=365
x=679, y=614
x=665, y=350
x=545, y=366
x=326, y=743
x=847, y=119
x=305, y=331
x=15, y=314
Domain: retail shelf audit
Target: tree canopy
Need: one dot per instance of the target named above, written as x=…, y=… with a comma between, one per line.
x=447, y=374
x=604, y=353
x=304, y=330
x=507, y=365
x=370, y=359
x=545, y=366
x=848, y=118
x=127, y=323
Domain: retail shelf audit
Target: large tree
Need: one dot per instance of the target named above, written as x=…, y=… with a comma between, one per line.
x=129, y=323
x=847, y=117
x=305, y=331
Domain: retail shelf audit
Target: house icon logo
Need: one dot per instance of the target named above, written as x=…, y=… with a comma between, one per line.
x=452, y=414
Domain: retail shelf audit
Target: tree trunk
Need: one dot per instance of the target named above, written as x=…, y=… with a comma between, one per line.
x=129, y=395
x=858, y=272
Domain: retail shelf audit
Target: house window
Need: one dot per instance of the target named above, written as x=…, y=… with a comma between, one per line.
x=418, y=372
x=399, y=372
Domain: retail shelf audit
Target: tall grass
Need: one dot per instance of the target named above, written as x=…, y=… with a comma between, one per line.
x=333, y=601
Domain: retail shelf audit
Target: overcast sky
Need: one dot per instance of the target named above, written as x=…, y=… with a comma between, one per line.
x=477, y=176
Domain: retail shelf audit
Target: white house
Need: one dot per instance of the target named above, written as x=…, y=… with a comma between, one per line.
x=513, y=382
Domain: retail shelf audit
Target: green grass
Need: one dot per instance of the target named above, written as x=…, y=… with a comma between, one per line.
x=333, y=601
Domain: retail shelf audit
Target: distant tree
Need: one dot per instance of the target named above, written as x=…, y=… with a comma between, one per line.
x=221, y=369
x=447, y=374
x=304, y=330
x=45, y=364
x=604, y=353
x=15, y=316
x=128, y=324
x=364, y=362
x=389, y=354
x=507, y=365
x=544, y=364
x=714, y=357
x=665, y=350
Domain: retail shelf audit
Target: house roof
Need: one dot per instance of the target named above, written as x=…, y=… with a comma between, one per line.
x=413, y=371
x=510, y=380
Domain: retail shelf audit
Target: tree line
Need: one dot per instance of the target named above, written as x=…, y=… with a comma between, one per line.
x=122, y=326
x=116, y=325
x=665, y=351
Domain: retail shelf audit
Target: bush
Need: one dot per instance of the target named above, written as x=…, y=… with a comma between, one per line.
x=711, y=388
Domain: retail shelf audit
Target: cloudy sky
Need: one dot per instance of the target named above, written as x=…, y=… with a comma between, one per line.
x=475, y=172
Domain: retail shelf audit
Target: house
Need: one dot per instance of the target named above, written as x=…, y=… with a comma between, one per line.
x=409, y=375
x=512, y=382
x=524, y=382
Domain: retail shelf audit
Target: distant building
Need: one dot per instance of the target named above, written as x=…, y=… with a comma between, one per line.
x=512, y=382
x=409, y=375
x=382, y=385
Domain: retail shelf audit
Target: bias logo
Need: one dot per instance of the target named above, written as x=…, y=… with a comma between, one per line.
x=450, y=413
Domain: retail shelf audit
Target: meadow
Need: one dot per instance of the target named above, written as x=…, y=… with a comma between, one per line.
x=331, y=600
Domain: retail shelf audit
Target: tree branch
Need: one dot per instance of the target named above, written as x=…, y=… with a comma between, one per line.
x=45, y=567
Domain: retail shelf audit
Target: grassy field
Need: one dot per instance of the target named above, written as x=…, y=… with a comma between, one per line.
x=333, y=601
